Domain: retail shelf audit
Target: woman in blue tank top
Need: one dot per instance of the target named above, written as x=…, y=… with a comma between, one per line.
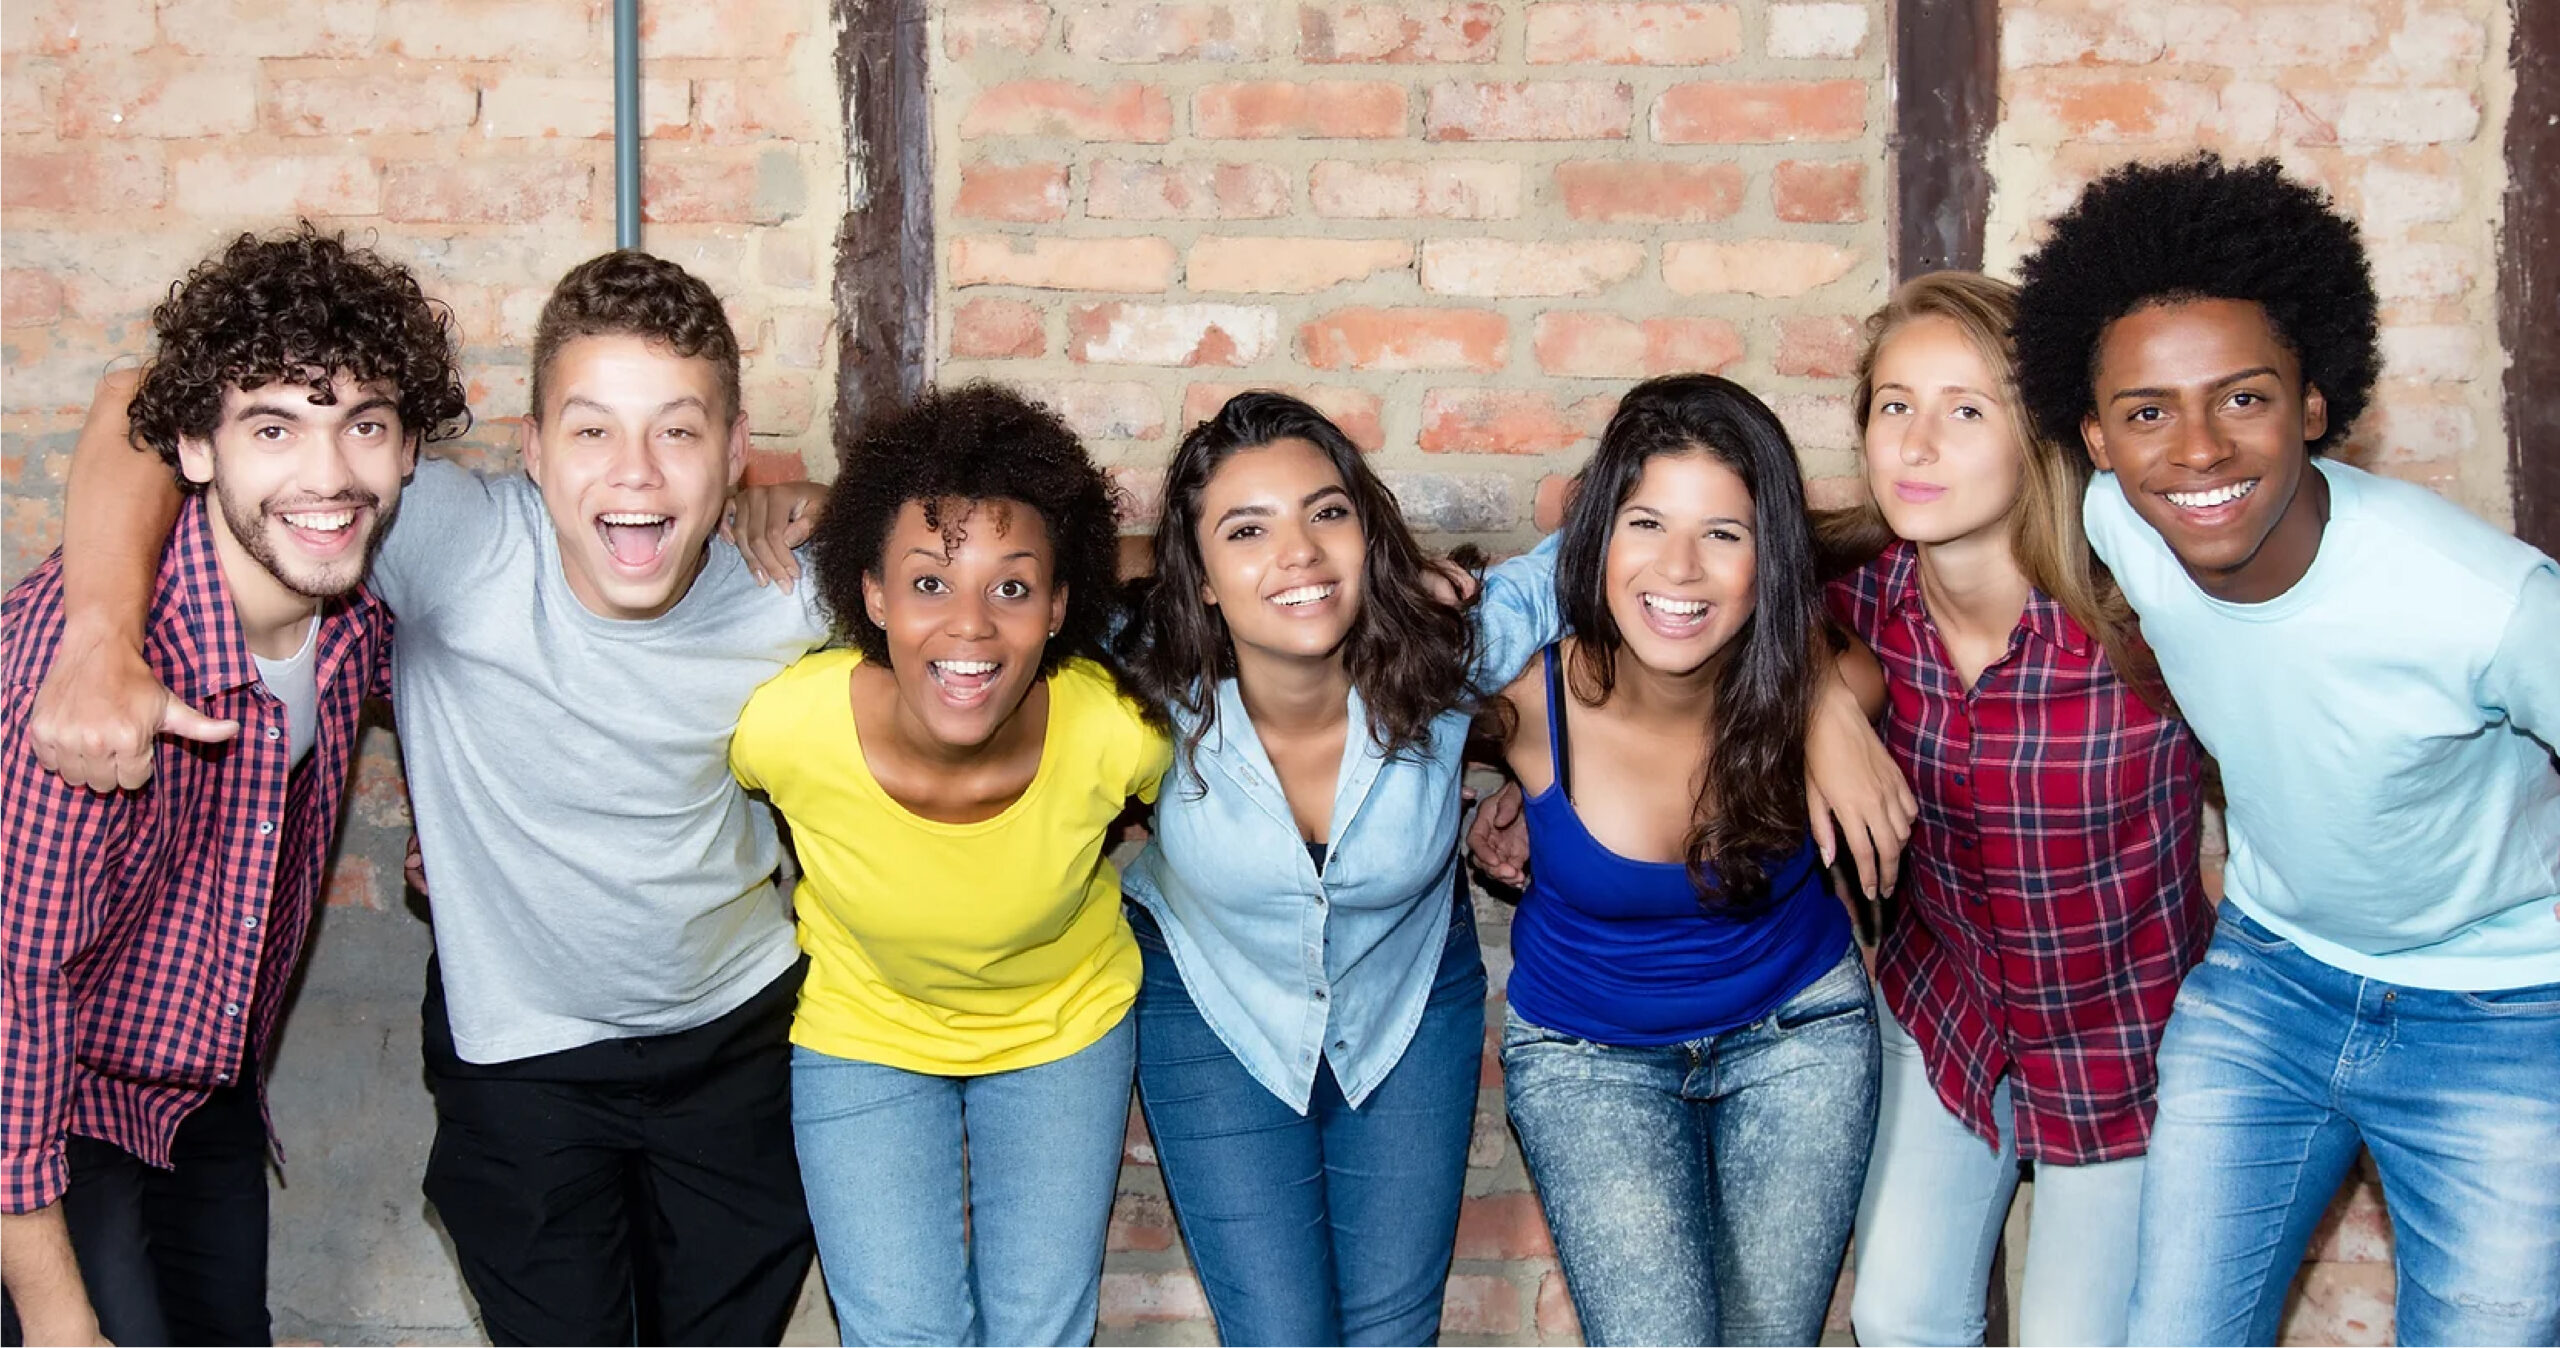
x=1690, y=1050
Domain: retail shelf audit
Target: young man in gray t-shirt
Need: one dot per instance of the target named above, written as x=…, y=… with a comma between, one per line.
x=607, y=1039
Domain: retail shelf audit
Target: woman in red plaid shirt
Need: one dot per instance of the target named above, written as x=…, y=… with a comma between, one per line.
x=2050, y=901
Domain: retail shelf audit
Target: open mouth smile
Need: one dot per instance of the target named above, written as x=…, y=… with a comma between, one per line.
x=2212, y=498
x=964, y=683
x=322, y=532
x=635, y=539
x=1305, y=597
x=1677, y=619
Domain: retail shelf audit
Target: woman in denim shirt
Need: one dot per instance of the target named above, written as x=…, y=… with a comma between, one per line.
x=1312, y=1013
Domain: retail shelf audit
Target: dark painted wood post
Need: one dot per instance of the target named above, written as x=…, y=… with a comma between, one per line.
x=884, y=280
x=1946, y=83
x=2529, y=275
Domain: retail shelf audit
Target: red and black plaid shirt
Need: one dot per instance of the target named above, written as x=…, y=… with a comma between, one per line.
x=2050, y=898
x=149, y=935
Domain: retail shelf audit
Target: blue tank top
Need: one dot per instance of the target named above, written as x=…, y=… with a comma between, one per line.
x=1622, y=952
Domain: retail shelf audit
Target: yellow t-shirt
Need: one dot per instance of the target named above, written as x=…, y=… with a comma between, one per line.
x=954, y=949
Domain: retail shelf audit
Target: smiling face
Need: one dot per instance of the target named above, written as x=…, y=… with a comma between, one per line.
x=302, y=488
x=1283, y=551
x=2203, y=417
x=1942, y=448
x=1681, y=564
x=967, y=595
x=636, y=452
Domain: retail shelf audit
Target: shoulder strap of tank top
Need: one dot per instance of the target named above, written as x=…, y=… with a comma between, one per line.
x=1556, y=746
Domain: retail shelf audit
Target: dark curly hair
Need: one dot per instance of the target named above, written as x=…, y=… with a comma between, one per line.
x=1751, y=808
x=979, y=442
x=1408, y=654
x=2197, y=228
x=626, y=293
x=299, y=307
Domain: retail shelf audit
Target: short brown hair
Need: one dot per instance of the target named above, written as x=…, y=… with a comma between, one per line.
x=630, y=293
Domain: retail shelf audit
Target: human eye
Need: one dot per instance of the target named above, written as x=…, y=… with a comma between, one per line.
x=2247, y=398
x=1968, y=412
x=1012, y=589
x=929, y=585
x=1244, y=531
x=1893, y=407
x=1642, y=522
x=1334, y=511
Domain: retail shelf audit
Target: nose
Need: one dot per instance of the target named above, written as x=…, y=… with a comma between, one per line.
x=326, y=470
x=971, y=618
x=1679, y=562
x=1919, y=441
x=1297, y=547
x=634, y=464
x=2199, y=445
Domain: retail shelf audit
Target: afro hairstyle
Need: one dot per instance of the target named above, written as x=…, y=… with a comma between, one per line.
x=978, y=443
x=2193, y=229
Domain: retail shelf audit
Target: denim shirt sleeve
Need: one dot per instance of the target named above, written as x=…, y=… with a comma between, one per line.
x=1517, y=615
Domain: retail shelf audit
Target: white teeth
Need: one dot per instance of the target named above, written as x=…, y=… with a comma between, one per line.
x=1678, y=608
x=965, y=667
x=322, y=522
x=2206, y=500
x=1304, y=594
x=630, y=517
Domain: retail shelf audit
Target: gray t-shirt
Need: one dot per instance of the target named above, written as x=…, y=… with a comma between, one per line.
x=594, y=871
x=295, y=682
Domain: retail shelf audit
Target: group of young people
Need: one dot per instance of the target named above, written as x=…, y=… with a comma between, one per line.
x=660, y=1083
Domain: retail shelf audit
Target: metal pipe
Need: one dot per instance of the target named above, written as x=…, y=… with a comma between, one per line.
x=626, y=123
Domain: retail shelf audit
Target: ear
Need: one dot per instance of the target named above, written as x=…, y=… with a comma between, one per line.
x=738, y=444
x=875, y=600
x=409, y=455
x=529, y=448
x=2096, y=440
x=195, y=459
x=1207, y=595
x=1057, y=609
x=2315, y=413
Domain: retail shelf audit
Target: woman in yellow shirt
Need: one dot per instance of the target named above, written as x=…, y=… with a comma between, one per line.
x=949, y=782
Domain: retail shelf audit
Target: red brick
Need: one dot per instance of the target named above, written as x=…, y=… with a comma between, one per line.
x=771, y=467
x=1138, y=500
x=1477, y=1303
x=1071, y=111
x=62, y=27
x=1103, y=409
x=486, y=191
x=1555, y=110
x=1140, y=1222
x=1182, y=335
x=1062, y=264
x=1814, y=346
x=1657, y=193
x=1151, y=1298
x=226, y=184
x=1606, y=346
x=1406, y=339
x=1638, y=32
x=159, y=101
x=354, y=882
x=1502, y=267
x=1502, y=421
x=2114, y=111
x=994, y=329
x=1503, y=1226
x=499, y=30
x=1775, y=268
x=1557, y=1321
x=29, y=298
x=225, y=27
x=1832, y=31
x=1117, y=189
x=1146, y=31
x=367, y=105
x=1295, y=110
x=1024, y=193
x=1136, y=1146
x=752, y=110
x=1267, y=266
x=1817, y=193
x=1555, y=493
x=730, y=30
x=577, y=107
x=1737, y=113
x=2340, y=1304
x=971, y=27
x=1454, y=503
x=1360, y=413
x=1454, y=189
x=104, y=181
x=763, y=190
x=30, y=88
x=1439, y=32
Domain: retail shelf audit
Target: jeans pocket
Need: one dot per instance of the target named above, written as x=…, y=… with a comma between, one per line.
x=2242, y=929
x=1840, y=994
x=2539, y=1000
x=1521, y=1034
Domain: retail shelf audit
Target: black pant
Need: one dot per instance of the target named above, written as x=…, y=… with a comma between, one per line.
x=635, y=1189
x=178, y=1255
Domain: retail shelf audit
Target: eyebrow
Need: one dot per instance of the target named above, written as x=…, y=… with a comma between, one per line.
x=688, y=400
x=2225, y=381
x=944, y=559
x=1264, y=511
x=1713, y=519
x=1942, y=388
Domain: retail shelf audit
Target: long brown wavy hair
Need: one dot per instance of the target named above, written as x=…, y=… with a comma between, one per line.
x=2045, y=534
x=1408, y=654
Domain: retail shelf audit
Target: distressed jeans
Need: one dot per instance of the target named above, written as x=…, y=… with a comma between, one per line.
x=2275, y=1068
x=1702, y=1192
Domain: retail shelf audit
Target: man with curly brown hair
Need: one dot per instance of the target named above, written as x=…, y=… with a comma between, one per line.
x=151, y=934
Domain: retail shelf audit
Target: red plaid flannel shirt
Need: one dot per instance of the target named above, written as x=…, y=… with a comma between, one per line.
x=2050, y=901
x=149, y=935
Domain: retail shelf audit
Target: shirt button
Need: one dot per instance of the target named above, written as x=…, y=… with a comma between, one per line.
x=250, y=923
x=231, y=1009
x=273, y=733
x=1341, y=1045
x=1959, y=779
x=265, y=827
x=222, y=1078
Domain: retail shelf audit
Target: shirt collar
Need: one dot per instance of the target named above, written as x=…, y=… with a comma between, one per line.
x=2045, y=617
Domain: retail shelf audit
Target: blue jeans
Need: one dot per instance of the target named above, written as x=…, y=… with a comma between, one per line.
x=1702, y=1192
x=2276, y=1066
x=1333, y=1226
x=1937, y=1196
x=918, y=1250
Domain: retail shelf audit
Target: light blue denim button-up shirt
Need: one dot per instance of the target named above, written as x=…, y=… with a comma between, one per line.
x=1290, y=967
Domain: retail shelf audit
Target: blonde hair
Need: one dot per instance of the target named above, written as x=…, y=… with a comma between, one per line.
x=2044, y=522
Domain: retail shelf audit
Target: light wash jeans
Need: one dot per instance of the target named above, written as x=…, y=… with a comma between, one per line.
x=2276, y=1066
x=1937, y=1196
x=918, y=1249
x=1702, y=1192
